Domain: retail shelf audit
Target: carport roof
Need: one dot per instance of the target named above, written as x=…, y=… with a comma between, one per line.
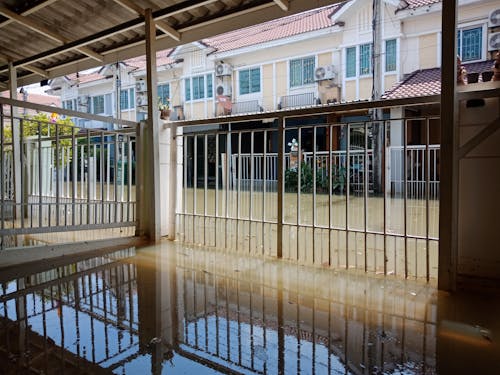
x=50, y=38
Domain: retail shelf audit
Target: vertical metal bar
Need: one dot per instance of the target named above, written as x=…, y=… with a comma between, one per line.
x=314, y=167
x=74, y=157
x=129, y=175
x=348, y=182
x=238, y=193
x=115, y=178
x=264, y=182
x=365, y=195
x=195, y=181
x=427, y=187
x=23, y=182
x=58, y=192
x=205, y=186
x=384, y=168
x=184, y=188
x=217, y=161
x=330, y=182
x=405, y=195
x=101, y=176
x=88, y=176
x=299, y=187
x=40, y=186
x=281, y=156
x=228, y=180
x=252, y=176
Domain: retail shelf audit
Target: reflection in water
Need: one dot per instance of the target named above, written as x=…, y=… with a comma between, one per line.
x=173, y=309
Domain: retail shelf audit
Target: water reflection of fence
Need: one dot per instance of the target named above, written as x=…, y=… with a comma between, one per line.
x=250, y=323
x=89, y=308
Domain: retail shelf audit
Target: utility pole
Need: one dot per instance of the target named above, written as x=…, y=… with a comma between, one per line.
x=377, y=87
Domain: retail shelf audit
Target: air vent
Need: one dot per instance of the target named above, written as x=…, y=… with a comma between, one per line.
x=140, y=86
x=494, y=18
x=494, y=42
x=141, y=100
x=223, y=89
x=324, y=73
x=222, y=69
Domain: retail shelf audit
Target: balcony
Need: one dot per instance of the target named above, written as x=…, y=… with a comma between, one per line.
x=297, y=100
x=250, y=106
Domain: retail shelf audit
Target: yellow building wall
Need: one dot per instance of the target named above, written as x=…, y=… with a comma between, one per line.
x=350, y=90
x=175, y=93
x=389, y=81
x=427, y=51
x=324, y=59
x=267, y=87
x=365, y=88
x=197, y=110
x=281, y=79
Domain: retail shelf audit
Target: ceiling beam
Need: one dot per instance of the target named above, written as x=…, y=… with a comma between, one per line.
x=283, y=4
x=29, y=11
x=36, y=70
x=160, y=24
x=45, y=31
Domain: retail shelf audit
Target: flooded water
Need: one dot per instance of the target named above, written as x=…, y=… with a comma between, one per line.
x=174, y=309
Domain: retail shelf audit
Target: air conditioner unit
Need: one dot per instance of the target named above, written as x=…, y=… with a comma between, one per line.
x=325, y=72
x=140, y=86
x=141, y=100
x=494, y=42
x=223, y=89
x=494, y=18
x=222, y=69
x=83, y=102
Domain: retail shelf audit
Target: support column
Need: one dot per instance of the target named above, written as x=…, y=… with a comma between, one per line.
x=150, y=218
x=172, y=181
x=448, y=204
x=16, y=146
x=281, y=151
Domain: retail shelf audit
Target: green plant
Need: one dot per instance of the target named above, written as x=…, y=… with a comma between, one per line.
x=339, y=179
x=163, y=106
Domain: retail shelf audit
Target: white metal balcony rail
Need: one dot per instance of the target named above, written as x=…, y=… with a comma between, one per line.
x=297, y=100
x=55, y=176
x=250, y=106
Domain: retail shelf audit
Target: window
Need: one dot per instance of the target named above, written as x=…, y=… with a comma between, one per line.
x=98, y=104
x=469, y=43
x=249, y=81
x=68, y=104
x=350, y=62
x=390, y=55
x=127, y=99
x=199, y=87
x=365, y=59
x=301, y=71
x=164, y=93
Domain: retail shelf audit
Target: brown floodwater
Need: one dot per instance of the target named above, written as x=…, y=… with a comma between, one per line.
x=174, y=309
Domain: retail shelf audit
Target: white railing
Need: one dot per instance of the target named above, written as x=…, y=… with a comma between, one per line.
x=416, y=170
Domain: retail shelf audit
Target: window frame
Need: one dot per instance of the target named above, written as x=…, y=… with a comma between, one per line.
x=482, y=40
x=103, y=104
x=251, y=89
x=302, y=83
x=369, y=59
x=207, y=88
x=392, y=71
x=130, y=91
x=355, y=62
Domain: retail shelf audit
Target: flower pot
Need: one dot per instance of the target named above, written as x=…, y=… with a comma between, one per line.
x=165, y=114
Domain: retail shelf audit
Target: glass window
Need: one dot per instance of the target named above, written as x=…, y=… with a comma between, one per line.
x=365, y=59
x=132, y=98
x=210, y=86
x=390, y=55
x=350, y=62
x=98, y=104
x=301, y=71
x=187, y=87
x=249, y=81
x=198, y=87
x=124, y=100
x=164, y=93
x=469, y=43
x=68, y=104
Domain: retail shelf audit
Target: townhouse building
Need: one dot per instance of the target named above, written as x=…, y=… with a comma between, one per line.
x=321, y=56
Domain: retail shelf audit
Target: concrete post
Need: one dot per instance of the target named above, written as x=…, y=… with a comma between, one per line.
x=448, y=204
x=172, y=182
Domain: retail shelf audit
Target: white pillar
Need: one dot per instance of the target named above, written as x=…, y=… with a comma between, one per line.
x=16, y=153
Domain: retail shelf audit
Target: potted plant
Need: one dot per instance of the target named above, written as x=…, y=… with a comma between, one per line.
x=164, y=108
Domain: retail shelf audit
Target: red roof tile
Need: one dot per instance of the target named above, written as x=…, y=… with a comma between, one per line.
x=36, y=98
x=428, y=81
x=413, y=4
x=316, y=19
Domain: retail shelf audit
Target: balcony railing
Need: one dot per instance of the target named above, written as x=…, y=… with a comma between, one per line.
x=250, y=106
x=297, y=100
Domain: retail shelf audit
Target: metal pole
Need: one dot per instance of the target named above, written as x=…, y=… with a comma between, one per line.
x=281, y=148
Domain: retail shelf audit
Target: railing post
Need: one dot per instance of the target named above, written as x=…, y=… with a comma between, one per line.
x=281, y=148
x=173, y=181
x=16, y=143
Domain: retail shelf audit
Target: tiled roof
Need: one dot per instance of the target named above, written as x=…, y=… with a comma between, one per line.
x=36, y=98
x=414, y=4
x=316, y=19
x=428, y=81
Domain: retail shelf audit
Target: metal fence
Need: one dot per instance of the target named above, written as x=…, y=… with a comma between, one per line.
x=335, y=201
x=57, y=177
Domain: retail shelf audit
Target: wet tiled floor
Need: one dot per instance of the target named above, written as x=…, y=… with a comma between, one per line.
x=185, y=310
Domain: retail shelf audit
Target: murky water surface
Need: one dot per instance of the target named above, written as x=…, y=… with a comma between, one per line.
x=172, y=309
